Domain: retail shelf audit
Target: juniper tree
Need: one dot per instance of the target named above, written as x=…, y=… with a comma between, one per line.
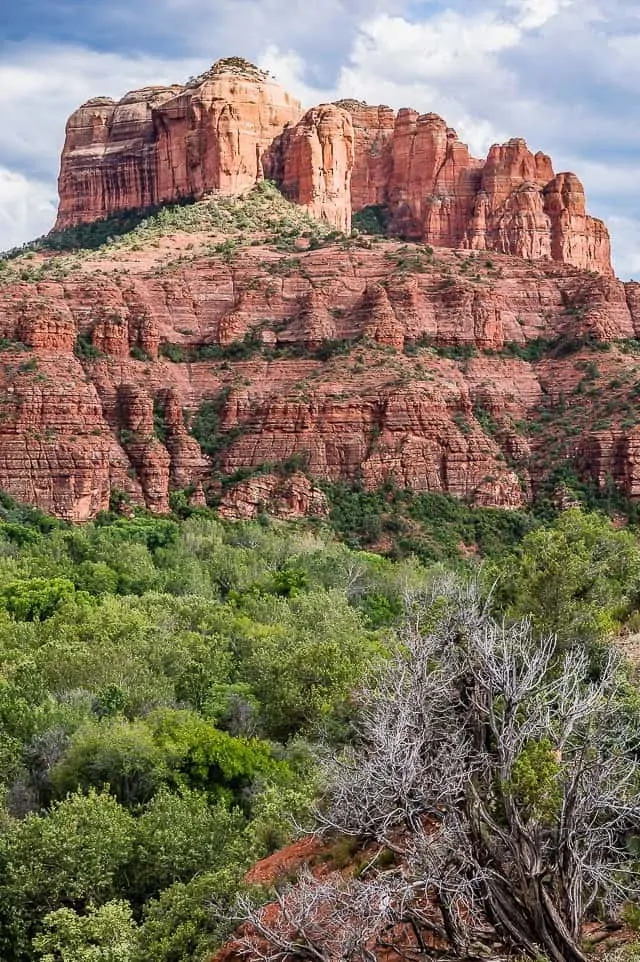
x=504, y=776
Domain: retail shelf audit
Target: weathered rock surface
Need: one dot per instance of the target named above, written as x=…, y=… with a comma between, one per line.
x=286, y=498
x=166, y=143
x=576, y=238
x=314, y=163
x=366, y=361
x=228, y=129
x=434, y=191
x=373, y=129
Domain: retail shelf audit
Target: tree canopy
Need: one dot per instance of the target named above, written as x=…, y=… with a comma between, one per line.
x=171, y=691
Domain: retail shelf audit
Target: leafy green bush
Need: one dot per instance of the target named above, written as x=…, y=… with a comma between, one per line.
x=261, y=209
x=173, y=352
x=85, y=350
x=371, y=220
x=576, y=578
x=35, y=599
x=116, y=753
x=206, y=426
x=431, y=526
x=179, y=925
x=139, y=354
x=107, y=932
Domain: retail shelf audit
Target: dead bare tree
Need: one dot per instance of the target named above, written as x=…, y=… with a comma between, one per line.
x=319, y=920
x=504, y=777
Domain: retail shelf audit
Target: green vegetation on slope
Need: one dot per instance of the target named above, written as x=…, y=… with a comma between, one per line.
x=162, y=690
x=261, y=210
x=372, y=220
x=165, y=687
x=433, y=527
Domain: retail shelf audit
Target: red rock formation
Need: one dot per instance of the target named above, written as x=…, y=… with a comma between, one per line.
x=161, y=144
x=229, y=128
x=378, y=318
x=149, y=458
x=285, y=498
x=56, y=450
x=511, y=203
x=433, y=180
x=75, y=431
x=187, y=464
x=373, y=129
x=317, y=160
x=632, y=292
x=509, y=166
x=576, y=238
x=314, y=323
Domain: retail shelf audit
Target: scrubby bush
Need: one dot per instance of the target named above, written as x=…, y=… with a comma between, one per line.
x=167, y=690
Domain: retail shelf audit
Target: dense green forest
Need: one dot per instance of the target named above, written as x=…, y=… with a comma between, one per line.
x=168, y=685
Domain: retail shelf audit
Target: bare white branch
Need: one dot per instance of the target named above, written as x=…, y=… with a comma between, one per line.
x=504, y=777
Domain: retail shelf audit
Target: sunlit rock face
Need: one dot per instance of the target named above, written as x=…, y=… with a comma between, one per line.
x=226, y=130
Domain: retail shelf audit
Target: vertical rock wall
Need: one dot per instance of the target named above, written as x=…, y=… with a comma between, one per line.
x=229, y=128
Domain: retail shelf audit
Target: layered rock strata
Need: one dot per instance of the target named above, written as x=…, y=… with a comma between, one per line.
x=435, y=191
x=312, y=163
x=163, y=144
x=368, y=363
x=228, y=129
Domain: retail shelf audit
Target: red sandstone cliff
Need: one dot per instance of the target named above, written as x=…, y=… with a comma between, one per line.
x=312, y=162
x=165, y=143
x=426, y=386
x=226, y=130
x=512, y=203
x=368, y=360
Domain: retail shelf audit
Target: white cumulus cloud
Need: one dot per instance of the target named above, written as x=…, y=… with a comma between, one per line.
x=564, y=74
x=532, y=14
x=39, y=88
x=27, y=208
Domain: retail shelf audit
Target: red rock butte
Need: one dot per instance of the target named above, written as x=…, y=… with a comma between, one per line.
x=234, y=126
x=247, y=350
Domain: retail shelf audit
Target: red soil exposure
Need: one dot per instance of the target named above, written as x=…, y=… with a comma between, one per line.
x=317, y=856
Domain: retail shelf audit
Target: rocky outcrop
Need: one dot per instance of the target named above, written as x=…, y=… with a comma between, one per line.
x=373, y=132
x=379, y=320
x=420, y=438
x=286, y=498
x=433, y=180
x=228, y=129
x=576, y=238
x=367, y=362
x=162, y=144
x=149, y=459
x=434, y=191
x=315, y=163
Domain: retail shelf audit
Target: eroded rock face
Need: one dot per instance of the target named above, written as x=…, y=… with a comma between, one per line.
x=286, y=498
x=231, y=127
x=511, y=203
x=317, y=157
x=368, y=363
x=576, y=238
x=373, y=130
x=165, y=143
x=433, y=180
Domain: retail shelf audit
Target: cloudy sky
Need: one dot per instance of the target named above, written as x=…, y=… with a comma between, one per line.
x=565, y=74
